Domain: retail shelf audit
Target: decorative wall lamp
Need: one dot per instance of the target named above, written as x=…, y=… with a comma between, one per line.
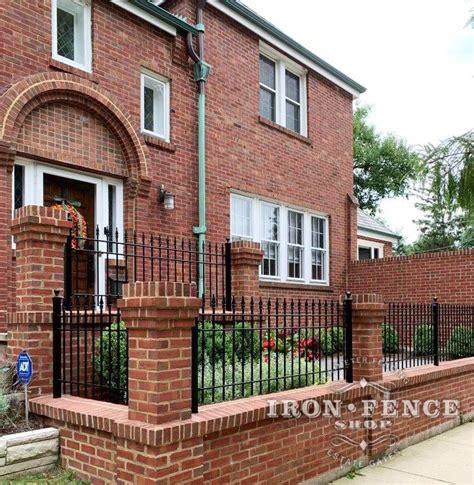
x=166, y=199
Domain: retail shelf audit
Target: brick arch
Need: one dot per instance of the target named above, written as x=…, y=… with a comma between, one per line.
x=30, y=93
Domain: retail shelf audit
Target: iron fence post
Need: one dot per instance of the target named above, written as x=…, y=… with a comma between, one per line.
x=348, y=342
x=57, y=303
x=228, y=276
x=68, y=273
x=194, y=368
x=435, y=315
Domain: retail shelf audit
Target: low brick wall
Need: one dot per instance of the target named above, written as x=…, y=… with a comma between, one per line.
x=29, y=452
x=418, y=278
x=237, y=441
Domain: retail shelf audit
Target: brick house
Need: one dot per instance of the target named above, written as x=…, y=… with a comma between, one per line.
x=98, y=105
x=374, y=239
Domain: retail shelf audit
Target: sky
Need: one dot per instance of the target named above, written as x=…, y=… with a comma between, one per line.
x=415, y=57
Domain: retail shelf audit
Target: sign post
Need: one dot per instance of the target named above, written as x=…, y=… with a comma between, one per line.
x=24, y=371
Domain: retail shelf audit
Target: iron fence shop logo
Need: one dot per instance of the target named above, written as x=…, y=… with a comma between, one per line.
x=365, y=414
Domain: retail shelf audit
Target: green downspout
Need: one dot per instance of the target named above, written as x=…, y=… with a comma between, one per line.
x=201, y=74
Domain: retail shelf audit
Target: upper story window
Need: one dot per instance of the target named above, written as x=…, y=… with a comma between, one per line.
x=155, y=110
x=71, y=33
x=294, y=243
x=282, y=91
x=369, y=250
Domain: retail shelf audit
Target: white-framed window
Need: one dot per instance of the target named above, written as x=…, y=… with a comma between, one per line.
x=319, y=254
x=270, y=240
x=282, y=90
x=155, y=105
x=295, y=242
x=295, y=245
x=71, y=33
x=369, y=250
x=241, y=218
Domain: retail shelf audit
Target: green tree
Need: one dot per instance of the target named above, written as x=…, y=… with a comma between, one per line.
x=447, y=195
x=443, y=220
x=384, y=166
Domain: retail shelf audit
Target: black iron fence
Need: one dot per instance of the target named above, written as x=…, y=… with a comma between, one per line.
x=90, y=350
x=102, y=264
x=416, y=334
x=259, y=347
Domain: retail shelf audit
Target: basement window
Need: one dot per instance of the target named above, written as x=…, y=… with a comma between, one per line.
x=282, y=91
x=71, y=33
x=155, y=106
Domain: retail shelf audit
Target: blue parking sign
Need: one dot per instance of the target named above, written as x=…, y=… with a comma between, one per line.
x=24, y=368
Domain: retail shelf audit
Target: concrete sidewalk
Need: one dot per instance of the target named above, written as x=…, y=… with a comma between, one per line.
x=446, y=458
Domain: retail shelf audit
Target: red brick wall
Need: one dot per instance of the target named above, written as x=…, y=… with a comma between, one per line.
x=446, y=275
x=242, y=151
x=387, y=246
x=237, y=443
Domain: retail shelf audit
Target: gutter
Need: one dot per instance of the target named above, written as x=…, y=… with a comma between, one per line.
x=160, y=13
x=390, y=235
x=259, y=22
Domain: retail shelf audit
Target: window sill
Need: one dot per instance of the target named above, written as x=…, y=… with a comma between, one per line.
x=286, y=131
x=295, y=286
x=159, y=142
x=62, y=66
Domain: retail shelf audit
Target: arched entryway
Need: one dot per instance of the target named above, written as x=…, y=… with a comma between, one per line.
x=70, y=142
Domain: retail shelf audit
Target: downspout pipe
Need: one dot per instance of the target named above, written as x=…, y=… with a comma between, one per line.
x=201, y=74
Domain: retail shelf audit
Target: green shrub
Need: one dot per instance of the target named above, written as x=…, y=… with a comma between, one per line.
x=238, y=342
x=332, y=340
x=111, y=359
x=390, y=339
x=461, y=342
x=238, y=380
x=423, y=340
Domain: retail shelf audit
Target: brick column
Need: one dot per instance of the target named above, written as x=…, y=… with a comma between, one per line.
x=368, y=312
x=7, y=156
x=159, y=318
x=40, y=234
x=246, y=259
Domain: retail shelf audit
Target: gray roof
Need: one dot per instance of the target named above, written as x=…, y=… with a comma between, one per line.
x=370, y=223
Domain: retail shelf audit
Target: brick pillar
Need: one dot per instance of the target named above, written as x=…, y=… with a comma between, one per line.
x=40, y=234
x=246, y=259
x=368, y=312
x=7, y=156
x=159, y=318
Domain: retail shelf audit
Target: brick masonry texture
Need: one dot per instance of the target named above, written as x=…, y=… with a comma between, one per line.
x=418, y=278
x=235, y=442
x=92, y=121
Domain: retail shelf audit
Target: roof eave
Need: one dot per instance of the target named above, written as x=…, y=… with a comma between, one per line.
x=165, y=16
x=349, y=84
x=381, y=233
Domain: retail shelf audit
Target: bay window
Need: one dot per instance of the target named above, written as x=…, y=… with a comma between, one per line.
x=294, y=242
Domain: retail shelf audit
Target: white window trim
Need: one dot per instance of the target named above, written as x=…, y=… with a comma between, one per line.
x=283, y=64
x=86, y=35
x=156, y=79
x=256, y=228
x=244, y=237
x=362, y=243
x=259, y=207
